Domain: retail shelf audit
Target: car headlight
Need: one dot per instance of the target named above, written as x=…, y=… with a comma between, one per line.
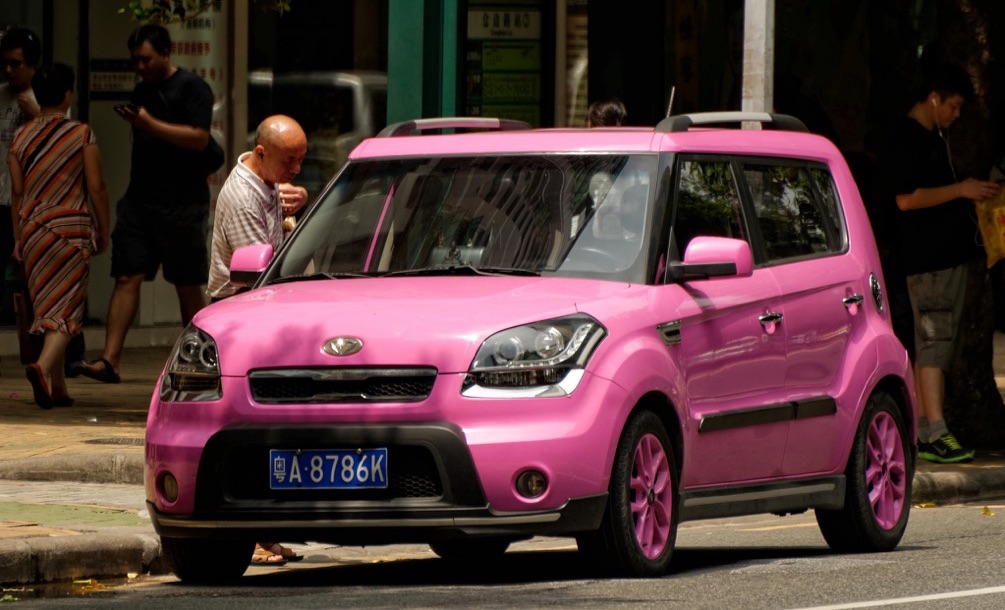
x=193, y=370
x=538, y=354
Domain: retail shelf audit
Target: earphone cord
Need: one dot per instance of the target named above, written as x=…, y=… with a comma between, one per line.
x=938, y=128
x=949, y=156
x=978, y=238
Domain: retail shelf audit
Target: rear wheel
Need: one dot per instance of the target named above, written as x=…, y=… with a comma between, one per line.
x=473, y=548
x=199, y=561
x=879, y=474
x=639, y=528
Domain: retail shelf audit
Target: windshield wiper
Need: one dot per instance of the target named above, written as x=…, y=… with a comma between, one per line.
x=321, y=275
x=463, y=270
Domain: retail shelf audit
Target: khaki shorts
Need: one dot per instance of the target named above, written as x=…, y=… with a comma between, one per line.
x=937, y=303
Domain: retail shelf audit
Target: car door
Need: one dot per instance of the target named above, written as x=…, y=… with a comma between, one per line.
x=822, y=295
x=730, y=343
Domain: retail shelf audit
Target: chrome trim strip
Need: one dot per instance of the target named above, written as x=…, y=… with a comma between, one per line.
x=340, y=373
x=563, y=388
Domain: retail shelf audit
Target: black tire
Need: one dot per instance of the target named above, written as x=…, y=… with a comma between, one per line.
x=638, y=541
x=471, y=548
x=207, y=562
x=879, y=475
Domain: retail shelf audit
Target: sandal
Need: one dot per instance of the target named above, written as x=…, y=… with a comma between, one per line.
x=37, y=379
x=104, y=375
x=278, y=549
x=264, y=557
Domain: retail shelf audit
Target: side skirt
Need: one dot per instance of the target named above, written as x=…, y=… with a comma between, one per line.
x=789, y=496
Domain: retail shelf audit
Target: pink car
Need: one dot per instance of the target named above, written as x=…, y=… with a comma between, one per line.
x=476, y=338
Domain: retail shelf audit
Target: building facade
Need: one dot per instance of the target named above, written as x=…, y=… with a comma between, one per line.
x=843, y=67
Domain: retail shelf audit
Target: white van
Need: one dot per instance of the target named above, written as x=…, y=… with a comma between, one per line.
x=337, y=109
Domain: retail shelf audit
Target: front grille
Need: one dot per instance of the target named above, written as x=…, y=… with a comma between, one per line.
x=341, y=385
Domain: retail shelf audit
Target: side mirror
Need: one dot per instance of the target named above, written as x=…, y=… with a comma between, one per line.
x=708, y=257
x=248, y=263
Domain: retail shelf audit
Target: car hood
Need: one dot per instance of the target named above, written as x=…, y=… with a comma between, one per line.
x=438, y=322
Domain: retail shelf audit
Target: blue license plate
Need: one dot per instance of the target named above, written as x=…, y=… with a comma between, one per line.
x=328, y=468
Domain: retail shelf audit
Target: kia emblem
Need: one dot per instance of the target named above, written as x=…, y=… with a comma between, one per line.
x=342, y=346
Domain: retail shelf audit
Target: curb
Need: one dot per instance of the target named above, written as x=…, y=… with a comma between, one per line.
x=117, y=468
x=956, y=487
x=65, y=558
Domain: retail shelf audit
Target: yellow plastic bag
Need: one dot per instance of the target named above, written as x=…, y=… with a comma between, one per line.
x=991, y=220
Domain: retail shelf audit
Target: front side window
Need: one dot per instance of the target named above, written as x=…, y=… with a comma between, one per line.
x=565, y=215
x=707, y=202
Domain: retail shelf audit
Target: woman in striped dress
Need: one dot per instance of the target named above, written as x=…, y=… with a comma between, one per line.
x=54, y=165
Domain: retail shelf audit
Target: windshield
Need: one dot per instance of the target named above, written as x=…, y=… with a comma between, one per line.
x=569, y=215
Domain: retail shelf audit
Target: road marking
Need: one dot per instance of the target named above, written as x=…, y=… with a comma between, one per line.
x=911, y=600
x=775, y=528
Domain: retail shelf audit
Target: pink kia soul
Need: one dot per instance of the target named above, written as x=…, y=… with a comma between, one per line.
x=481, y=336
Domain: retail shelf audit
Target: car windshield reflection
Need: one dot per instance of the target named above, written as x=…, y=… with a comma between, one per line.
x=570, y=215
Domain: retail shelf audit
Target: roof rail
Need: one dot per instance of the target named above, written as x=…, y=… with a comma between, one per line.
x=405, y=128
x=682, y=122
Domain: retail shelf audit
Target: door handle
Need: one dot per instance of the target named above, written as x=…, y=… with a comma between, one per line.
x=852, y=302
x=770, y=321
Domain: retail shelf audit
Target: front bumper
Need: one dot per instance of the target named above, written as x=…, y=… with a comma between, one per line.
x=434, y=491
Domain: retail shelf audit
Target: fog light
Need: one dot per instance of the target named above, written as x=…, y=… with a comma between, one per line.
x=169, y=487
x=531, y=484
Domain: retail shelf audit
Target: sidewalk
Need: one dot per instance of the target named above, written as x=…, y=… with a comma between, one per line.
x=72, y=500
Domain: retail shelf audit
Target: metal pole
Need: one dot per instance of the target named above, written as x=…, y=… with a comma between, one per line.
x=758, y=55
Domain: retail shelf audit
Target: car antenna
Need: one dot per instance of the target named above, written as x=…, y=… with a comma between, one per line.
x=673, y=90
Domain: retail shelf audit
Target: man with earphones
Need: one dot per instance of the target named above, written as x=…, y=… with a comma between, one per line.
x=937, y=238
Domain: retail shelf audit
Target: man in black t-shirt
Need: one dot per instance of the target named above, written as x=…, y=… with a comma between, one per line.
x=936, y=233
x=162, y=220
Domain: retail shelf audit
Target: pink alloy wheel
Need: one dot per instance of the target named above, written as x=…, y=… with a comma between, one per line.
x=886, y=470
x=652, y=496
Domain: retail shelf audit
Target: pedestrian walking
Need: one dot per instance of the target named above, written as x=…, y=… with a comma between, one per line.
x=55, y=170
x=162, y=220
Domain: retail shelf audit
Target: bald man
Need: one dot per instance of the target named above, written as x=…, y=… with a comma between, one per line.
x=256, y=197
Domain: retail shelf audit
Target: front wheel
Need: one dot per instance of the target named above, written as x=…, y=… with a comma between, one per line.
x=639, y=528
x=206, y=562
x=879, y=475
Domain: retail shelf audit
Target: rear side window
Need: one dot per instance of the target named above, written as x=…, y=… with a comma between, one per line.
x=796, y=208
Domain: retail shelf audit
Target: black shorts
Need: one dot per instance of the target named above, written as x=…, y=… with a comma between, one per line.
x=147, y=237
